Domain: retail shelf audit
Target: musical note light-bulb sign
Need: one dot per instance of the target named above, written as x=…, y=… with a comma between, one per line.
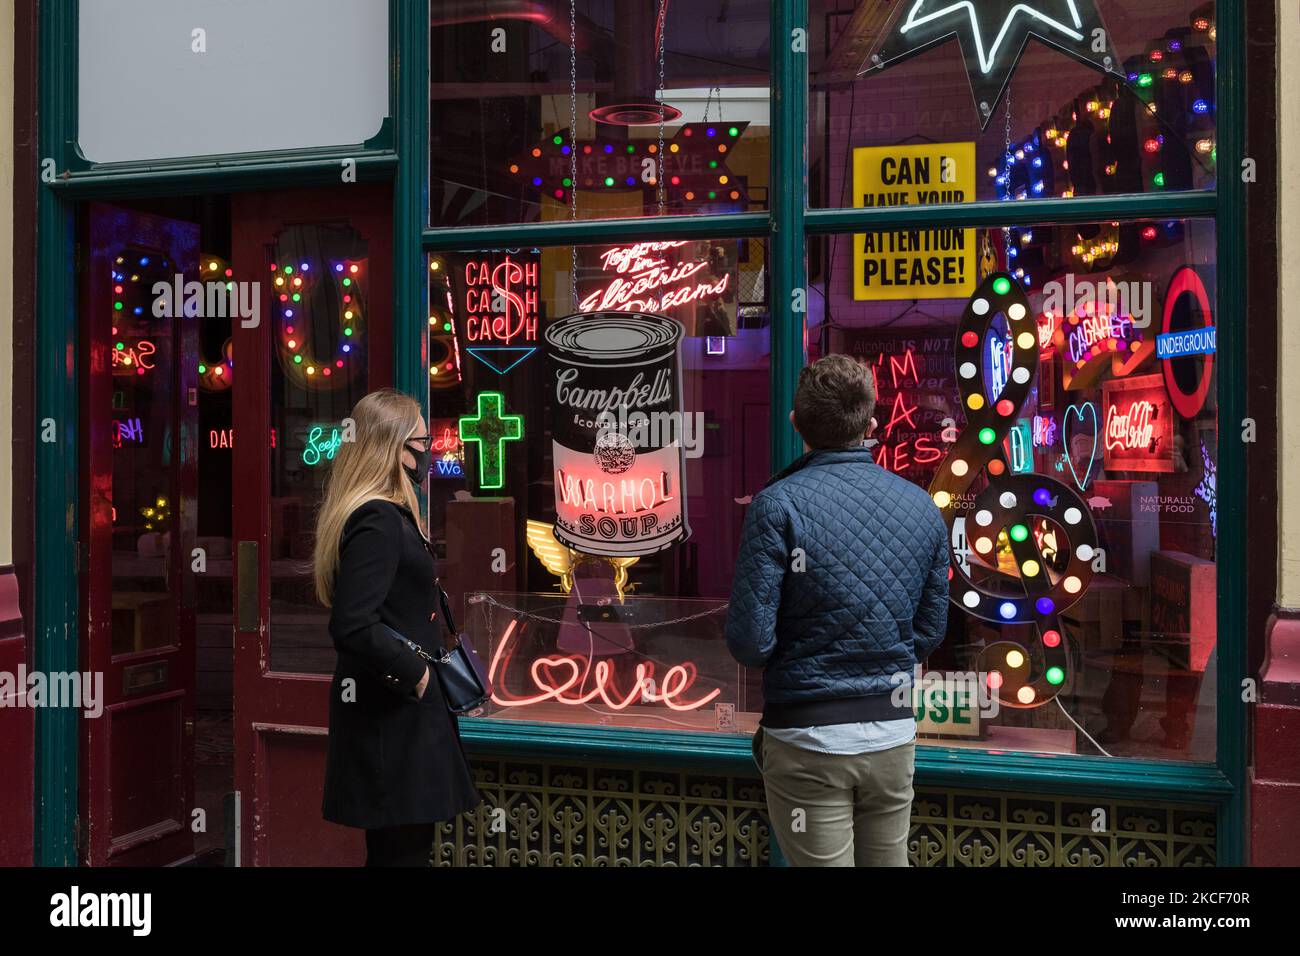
x=1022, y=591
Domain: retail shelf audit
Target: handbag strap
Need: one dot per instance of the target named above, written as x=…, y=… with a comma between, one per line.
x=448, y=621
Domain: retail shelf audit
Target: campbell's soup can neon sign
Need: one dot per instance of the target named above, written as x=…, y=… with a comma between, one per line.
x=616, y=439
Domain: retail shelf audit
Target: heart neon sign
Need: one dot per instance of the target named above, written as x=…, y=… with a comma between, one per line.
x=1088, y=410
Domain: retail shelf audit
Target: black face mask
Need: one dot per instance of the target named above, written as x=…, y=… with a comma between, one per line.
x=418, y=473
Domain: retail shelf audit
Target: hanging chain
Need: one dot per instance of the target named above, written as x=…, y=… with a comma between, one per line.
x=660, y=158
x=573, y=141
x=1006, y=172
x=493, y=603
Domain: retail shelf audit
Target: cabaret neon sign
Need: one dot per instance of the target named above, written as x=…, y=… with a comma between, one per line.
x=563, y=677
x=647, y=281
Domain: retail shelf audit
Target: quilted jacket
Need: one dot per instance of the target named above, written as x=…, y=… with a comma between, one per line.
x=864, y=601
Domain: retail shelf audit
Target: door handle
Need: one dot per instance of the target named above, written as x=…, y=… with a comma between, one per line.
x=247, y=612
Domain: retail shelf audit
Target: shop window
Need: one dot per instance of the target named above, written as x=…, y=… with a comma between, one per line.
x=142, y=491
x=320, y=368
x=908, y=104
x=597, y=110
x=591, y=565
x=159, y=79
x=1053, y=387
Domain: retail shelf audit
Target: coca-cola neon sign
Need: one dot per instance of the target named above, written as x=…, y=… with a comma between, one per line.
x=1138, y=430
x=577, y=681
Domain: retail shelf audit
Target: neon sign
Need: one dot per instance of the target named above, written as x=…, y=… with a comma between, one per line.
x=1187, y=282
x=127, y=430
x=225, y=438
x=137, y=358
x=1207, y=490
x=562, y=678
x=1044, y=431
x=1095, y=338
x=992, y=38
x=501, y=301
x=1089, y=411
x=913, y=373
x=490, y=429
x=1020, y=448
x=1139, y=432
x=448, y=454
x=647, y=282
x=317, y=450
x=665, y=278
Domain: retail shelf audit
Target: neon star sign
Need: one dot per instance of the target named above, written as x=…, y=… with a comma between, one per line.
x=490, y=429
x=993, y=34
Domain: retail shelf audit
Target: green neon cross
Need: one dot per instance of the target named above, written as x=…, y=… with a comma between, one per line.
x=491, y=429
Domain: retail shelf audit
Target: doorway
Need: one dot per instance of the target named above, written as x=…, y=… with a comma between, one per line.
x=207, y=322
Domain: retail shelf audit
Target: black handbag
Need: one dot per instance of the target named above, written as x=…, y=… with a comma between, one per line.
x=464, y=679
x=460, y=671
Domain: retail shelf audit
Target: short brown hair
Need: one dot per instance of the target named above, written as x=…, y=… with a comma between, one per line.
x=834, y=402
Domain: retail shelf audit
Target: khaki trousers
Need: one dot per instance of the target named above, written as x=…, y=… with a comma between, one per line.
x=837, y=810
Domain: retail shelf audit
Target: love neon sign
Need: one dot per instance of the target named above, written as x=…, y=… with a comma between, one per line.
x=574, y=680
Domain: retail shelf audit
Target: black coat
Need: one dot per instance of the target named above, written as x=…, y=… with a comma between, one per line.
x=393, y=758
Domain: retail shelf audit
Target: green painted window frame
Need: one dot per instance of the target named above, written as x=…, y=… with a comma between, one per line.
x=400, y=153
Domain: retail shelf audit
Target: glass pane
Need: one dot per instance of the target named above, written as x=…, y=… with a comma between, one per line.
x=143, y=493
x=642, y=109
x=166, y=78
x=319, y=370
x=914, y=132
x=607, y=550
x=1064, y=417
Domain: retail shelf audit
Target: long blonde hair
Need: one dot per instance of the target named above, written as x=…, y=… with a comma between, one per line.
x=368, y=467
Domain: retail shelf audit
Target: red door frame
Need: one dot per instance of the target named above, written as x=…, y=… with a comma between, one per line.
x=281, y=718
x=169, y=839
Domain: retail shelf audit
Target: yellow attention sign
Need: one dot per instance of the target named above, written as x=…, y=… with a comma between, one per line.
x=914, y=263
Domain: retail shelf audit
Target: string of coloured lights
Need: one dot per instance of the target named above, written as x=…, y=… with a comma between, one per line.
x=293, y=287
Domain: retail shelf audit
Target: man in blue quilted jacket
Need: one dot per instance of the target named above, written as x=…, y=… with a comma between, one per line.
x=841, y=590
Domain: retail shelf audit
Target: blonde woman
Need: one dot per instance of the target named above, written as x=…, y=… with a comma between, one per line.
x=395, y=766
